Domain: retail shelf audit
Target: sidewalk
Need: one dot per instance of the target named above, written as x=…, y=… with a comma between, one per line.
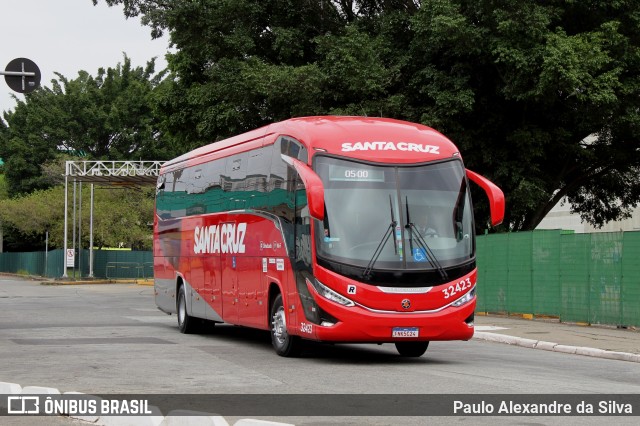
x=552, y=335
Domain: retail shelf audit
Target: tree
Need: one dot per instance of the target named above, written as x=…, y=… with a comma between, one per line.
x=3, y=187
x=542, y=96
x=107, y=117
x=120, y=216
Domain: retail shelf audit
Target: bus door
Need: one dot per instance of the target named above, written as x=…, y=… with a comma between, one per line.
x=250, y=271
x=212, y=286
x=243, y=290
x=195, y=277
x=229, y=283
x=252, y=300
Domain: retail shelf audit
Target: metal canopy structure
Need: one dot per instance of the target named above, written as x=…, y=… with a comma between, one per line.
x=123, y=174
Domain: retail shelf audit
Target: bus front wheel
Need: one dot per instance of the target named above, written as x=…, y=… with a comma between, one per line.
x=412, y=349
x=283, y=343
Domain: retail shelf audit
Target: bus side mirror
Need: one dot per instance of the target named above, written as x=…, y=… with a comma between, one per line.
x=314, y=186
x=495, y=195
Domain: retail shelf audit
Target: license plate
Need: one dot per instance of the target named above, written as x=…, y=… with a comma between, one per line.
x=404, y=332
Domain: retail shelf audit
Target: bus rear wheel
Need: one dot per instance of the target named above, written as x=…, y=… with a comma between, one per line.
x=186, y=323
x=283, y=343
x=412, y=349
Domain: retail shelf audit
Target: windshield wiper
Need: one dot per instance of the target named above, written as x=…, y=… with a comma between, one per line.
x=388, y=233
x=431, y=258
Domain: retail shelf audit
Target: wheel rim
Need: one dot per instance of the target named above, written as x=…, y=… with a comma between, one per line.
x=279, y=326
x=182, y=310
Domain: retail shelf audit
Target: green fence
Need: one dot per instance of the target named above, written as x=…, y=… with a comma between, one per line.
x=591, y=278
x=106, y=264
x=35, y=263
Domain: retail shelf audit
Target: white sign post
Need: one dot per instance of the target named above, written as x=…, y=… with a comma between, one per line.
x=71, y=258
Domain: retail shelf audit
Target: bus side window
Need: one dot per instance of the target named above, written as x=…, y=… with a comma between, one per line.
x=258, y=170
x=211, y=182
x=278, y=184
x=234, y=181
x=303, y=226
x=173, y=199
x=293, y=149
x=163, y=205
x=236, y=170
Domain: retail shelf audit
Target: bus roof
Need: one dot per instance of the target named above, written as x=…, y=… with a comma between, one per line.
x=365, y=138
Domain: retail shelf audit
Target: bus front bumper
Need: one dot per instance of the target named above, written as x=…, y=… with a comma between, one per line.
x=358, y=324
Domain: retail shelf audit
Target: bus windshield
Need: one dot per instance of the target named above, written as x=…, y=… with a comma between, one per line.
x=394, y=217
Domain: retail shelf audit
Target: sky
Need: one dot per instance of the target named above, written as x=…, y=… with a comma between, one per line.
x=67, y=36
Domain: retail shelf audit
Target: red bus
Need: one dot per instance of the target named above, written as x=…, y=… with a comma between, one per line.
x=333, y=229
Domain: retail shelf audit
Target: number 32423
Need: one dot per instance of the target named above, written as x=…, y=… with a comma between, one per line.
x=452, y=290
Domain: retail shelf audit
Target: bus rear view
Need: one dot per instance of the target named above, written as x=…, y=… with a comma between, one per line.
x=353, y=230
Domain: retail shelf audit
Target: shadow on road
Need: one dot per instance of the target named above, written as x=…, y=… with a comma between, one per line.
x=260, y=341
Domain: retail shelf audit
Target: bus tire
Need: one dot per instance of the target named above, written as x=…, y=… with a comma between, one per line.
x=186, y=323
x=284, y=344
x=412, y=349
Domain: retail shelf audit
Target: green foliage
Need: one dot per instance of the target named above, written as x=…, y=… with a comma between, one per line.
x=3, y=187
x=120, y=216
x=542, y=97
x=107, y=117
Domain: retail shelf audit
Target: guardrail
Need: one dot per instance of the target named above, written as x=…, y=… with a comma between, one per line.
x=148, y=269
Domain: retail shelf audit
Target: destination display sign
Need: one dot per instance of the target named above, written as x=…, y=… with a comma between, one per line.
x=355, y=173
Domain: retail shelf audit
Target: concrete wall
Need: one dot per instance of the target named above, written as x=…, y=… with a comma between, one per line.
x=560, y=217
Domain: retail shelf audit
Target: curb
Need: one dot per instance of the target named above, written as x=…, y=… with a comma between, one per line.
x=556, y=347
x=83, y=282
x=90, y=282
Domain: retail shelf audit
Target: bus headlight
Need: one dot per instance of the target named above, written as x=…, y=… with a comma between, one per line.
x=329, y=294
x=466, y=298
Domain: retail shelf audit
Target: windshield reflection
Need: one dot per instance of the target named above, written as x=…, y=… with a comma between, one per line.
x=427, y=205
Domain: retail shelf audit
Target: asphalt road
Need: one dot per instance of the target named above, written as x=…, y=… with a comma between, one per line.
x=101, y=339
